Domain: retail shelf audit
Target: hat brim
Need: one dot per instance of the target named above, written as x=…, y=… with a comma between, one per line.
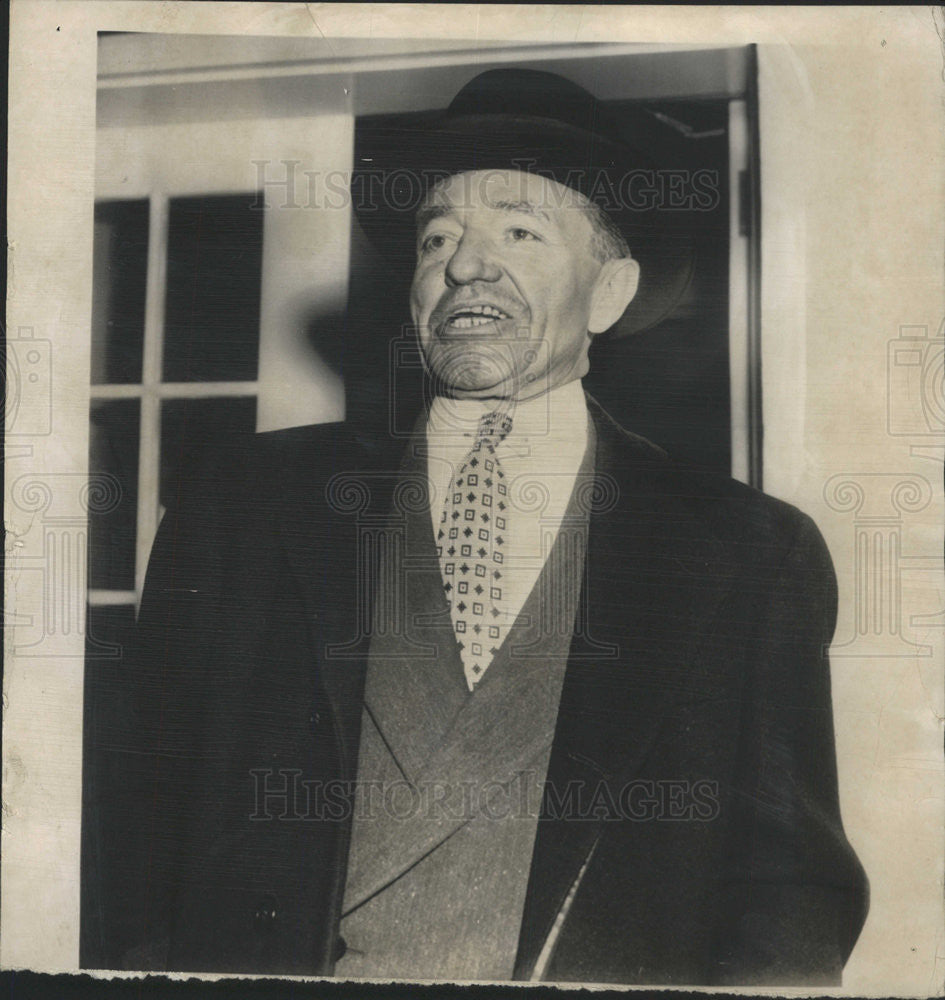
x=396, y=166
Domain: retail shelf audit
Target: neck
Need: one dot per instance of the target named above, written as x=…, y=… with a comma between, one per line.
x=552, y=411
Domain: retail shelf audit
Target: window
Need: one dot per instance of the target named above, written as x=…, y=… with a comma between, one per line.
x=175, y=358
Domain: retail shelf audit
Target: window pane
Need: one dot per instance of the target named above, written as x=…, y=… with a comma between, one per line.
x=113, y=451
x=190, y=428
x=119, y=278
x=214, y=268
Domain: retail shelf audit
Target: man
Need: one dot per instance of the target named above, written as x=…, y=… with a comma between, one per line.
x=517, y=699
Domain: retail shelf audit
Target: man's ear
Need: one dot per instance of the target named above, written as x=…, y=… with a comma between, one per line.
x=613, y=291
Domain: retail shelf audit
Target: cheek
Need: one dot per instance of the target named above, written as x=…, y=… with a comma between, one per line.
x=417, y=302
x=424, y=293
x=568, y=302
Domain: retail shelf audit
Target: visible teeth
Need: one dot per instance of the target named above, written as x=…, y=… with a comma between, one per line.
x=467, y=322
x=477, y=315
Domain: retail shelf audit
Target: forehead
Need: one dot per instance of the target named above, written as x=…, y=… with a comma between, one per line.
x=504, y=191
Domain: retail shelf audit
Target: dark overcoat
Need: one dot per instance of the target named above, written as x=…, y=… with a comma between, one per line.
x=693, y=752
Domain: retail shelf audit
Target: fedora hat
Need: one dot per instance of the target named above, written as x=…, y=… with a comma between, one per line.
x=536, y=122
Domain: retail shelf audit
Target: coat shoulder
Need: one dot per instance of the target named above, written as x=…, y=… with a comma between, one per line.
x=744, y=521
x=245, y=469
x=707, y=507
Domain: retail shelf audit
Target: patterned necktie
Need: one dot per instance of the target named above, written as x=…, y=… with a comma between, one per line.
x=470, y=544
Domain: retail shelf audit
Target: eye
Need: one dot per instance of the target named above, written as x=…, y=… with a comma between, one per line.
x=433, y=243
x=519, y=235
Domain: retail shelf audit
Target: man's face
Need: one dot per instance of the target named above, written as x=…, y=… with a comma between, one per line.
x=505, y=285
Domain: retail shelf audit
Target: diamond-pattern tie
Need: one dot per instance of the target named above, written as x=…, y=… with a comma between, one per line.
x=470, y=542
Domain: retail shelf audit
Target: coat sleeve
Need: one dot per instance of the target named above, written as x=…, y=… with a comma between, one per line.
x=143, y=741
x=794, y=894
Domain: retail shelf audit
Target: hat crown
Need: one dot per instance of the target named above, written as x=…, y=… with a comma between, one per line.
x=528, y=93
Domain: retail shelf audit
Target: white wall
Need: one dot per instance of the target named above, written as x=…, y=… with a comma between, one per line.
x=853, y=223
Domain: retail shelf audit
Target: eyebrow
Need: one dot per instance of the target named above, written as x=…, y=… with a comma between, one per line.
x=427, y=213
x=521, y=207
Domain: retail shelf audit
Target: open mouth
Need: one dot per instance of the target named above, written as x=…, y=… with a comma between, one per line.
x=471, y=317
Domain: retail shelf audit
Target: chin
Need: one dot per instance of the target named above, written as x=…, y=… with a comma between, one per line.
x=491, y=392
x=470, y=388
x=471, y=369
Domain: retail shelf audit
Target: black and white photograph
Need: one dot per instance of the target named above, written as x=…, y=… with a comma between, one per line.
x=474, y=495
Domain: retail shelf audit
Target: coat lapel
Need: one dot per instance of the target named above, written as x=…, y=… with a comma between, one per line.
x=415, y=687
x=336, y=489
x=630, y=659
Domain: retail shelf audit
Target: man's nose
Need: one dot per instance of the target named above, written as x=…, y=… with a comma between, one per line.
x=472, y=260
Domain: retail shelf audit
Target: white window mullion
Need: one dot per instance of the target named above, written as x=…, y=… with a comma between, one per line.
x=149, y=453
x=738, y=331
x=111, y=598
x=177, y=390
x=129, y=390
